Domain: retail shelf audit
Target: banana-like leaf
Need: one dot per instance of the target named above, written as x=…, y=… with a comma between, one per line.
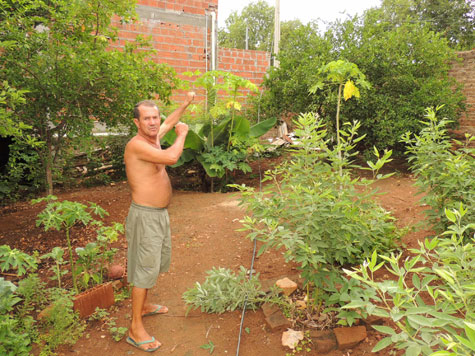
x=193, y=141
x=220, y=132
x=262, y=127
x=187, y=156
x=242, y=126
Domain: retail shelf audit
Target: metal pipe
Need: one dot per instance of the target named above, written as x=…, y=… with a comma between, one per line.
x=276, y=32
x=206, y=39
x=213, y=40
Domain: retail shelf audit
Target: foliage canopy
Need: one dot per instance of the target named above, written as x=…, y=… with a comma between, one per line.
x=58, y=54
x=407, y=66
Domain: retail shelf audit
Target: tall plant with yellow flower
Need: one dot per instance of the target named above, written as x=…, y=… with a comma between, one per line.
x=348, y=78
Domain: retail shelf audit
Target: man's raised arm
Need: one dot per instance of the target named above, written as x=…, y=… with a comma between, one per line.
x=174, y=117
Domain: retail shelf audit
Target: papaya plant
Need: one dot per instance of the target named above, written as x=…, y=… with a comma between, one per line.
x=62, y=216
x=16, y=259
x=344, y=74
x=223, y=139
x=94, y=257
x=56, y=254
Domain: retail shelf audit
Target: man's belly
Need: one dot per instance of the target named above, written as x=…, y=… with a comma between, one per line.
x=155, y=194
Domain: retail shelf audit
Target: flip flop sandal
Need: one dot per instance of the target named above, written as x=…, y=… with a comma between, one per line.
x=138, y=344
x=156, y=311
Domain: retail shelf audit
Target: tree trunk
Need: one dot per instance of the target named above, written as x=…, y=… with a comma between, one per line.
x=48, y=167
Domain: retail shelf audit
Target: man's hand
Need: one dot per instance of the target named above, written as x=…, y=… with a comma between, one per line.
x=189, y=97
x=181, y=129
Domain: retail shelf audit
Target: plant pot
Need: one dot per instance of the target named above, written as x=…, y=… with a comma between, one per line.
x=101, y=296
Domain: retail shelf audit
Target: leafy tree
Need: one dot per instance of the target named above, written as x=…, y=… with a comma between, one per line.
x=407, y=66
x=9, y=98
x=58, y=53
x=258, y=17
x=453, y=19
x=302, y=52
x=17, y=166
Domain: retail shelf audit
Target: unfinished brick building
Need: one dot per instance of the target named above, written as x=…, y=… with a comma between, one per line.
x=184, y=34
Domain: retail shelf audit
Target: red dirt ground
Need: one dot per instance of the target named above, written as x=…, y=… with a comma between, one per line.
x=204, y=235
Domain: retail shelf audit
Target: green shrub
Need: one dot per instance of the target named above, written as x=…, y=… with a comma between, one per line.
x=223, y=290
x=444, y=174
x=315, y=209
x=406, y=64
x=431, y=301
x=19, y=328
x=223, y=139
x=13, y=341
x=60, y=326
x=22, y=175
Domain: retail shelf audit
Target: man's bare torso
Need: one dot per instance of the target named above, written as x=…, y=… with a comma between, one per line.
x=148, y=181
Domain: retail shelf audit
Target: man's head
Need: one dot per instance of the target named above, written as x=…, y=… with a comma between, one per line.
x=146, y=103
x=147, y=118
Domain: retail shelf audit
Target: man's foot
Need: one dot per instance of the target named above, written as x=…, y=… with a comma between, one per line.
x=144, y=345
x=155, y=309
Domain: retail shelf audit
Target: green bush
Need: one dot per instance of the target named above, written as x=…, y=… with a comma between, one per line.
x=22, y=175
x=223, y=290
x=223, y=139
x=431, y=299
x=445, y=175
x=13, y=341
x=60, y=326
x=19, y=328
x=407, y=66
x=315, y=209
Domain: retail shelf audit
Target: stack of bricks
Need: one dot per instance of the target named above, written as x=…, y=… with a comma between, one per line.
x=464, y=72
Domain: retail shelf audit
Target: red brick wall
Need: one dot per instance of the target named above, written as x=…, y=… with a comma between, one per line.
x=188, y=6
x=180, y=35
x=248, y=64
x=464, y=72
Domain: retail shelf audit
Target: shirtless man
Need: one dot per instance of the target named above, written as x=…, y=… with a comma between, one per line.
x=147, y=225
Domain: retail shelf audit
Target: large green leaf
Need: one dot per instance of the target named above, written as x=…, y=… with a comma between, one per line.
x=193, y=141
x=262, y=127
x=383, y=343
x=220, y=133
x=187, y=156
x=242, y=126
x=168, y=139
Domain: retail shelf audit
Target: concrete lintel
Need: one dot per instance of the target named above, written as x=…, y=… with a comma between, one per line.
x=177, y=17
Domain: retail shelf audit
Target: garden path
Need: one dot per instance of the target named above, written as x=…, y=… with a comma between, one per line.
x=204, y=236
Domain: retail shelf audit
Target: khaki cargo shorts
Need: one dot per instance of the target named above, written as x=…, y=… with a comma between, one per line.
x=149, y=244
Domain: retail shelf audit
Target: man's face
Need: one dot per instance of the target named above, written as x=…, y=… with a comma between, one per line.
x=148, y=123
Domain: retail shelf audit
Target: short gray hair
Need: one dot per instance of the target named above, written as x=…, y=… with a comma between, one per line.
x=148, y=103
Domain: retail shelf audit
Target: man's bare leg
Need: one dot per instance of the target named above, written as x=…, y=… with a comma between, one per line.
x=149, y=307
x=137, y=330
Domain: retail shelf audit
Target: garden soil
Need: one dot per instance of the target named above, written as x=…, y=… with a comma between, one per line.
x=205, y=235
